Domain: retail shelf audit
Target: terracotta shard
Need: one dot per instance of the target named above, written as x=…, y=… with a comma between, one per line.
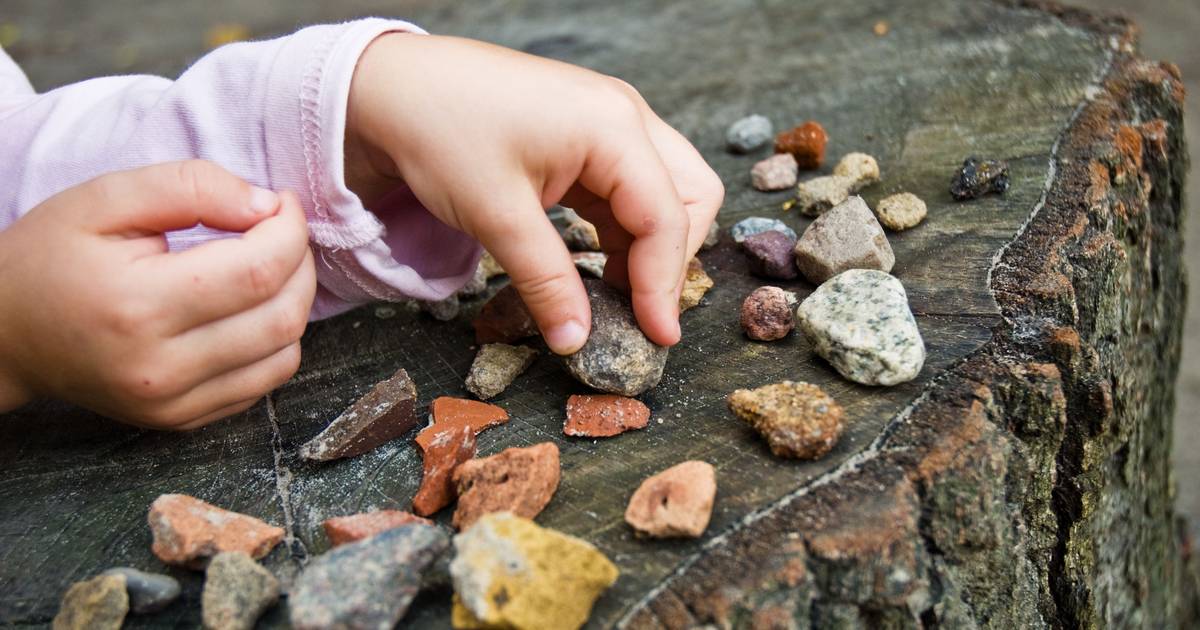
x=445, y=447
x=188, y=531
x=604, y=415
x=675, y=503
x=504, y=319
x=347, y=529
x=385, y=413
x=517, y=480
x=445, y=410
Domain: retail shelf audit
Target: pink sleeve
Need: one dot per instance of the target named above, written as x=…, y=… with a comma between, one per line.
x=274, y=113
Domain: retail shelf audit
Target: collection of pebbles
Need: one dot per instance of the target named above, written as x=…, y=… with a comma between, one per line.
x=506, y=570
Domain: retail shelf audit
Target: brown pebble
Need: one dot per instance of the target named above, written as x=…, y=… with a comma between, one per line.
x=797, y=419
x=444, y=448
x=806, y=143
x=347, y=529
x=604, y=415
x=767, y=314
x=382, y=415
x=504, y=319
x=675, y=503
x=517, y=480
x=188, y=531
x=770, y=255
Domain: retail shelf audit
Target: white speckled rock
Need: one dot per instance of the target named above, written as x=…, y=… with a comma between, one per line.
x=901, y=211
x=860, y=168
x=757, y=225
x=815, y=196
x=775, y=173
x=846, y=237
x=749, y=133
x=860, y=322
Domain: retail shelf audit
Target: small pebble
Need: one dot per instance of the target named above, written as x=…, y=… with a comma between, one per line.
x=696, y=283
x=188, y=531
x=770, y=255
x=846, y=237
x=580, y=235
x=510, y=573
x=816, y=196
x=900, y=211
x=617, y=358
x=860, y=322
x=504, y=319
x=591, y=263
x=675, y=503
x=383, y=414
x=713, y=237
x=775, y=173
x=517, y=480
x=237, y=591
x=756, y=225
x=767, y=314
x=860, y=168
x=881, y=28
x=476, y=285
x=444, y=447
x=96, y=604
x=806, y=143
x=978, y=177
x=749, y=134
x=441, y=310
x=341, y=530
x=148, y=592
x=604, y=415
x=489, y=266
x=798, y=420
x=365, y=584
x=496, y=366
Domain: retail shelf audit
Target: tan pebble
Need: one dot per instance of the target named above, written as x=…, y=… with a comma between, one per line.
x=861, y=168
x=797, y=419
x=901, y=211
x=817, y=195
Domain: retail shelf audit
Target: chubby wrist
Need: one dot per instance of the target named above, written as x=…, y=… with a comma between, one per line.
x=370, y=171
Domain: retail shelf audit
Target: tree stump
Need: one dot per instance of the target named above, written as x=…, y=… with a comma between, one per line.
x=1023, y=480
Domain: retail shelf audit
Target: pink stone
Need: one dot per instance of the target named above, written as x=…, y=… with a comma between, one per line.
x=188, y=531
x=675, y=503
x=767, y=314
x=775, y=173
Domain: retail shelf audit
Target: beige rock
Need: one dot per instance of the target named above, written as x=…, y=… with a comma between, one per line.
x=860, y=168
x=816, y=196
x=846, y=237
x=695, y=284
x=96, y=604
x=901, y=211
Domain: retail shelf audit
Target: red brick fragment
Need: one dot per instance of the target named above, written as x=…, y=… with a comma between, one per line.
x=188, y=531
x=806, y=143
x=347, y=529
x=385, y=413
x=504, y=319
x=604, y=415
x=445, y=446
x=478, y=415
x=675, y=503
x=517, y=480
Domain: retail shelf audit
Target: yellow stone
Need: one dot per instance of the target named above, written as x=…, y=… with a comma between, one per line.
x=510, y=573
x=695, y=285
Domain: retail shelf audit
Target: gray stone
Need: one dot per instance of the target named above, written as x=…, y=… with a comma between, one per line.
x=617, y=358
x=591, y=263
x=496, y=365
x=860, y=322
x=816, y=196
x=757, y=225
x=749, y=134
x=237, y=591
x=442, y=310
x=96, y=604
x=366, y=584
x=901, y=211
x=846, y=237
x=713, y=237
x=148, y=592
x=477, y=284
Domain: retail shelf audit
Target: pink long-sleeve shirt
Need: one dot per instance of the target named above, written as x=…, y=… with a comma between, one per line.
x=272, y=112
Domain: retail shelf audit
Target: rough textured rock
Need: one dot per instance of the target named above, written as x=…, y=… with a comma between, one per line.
x=237, y=591
x=96, y=604
x=442, y=310
x=148, y=592
x=504, y=319
x=749, y=134
x=696, y=283
x=775, y=173
x=476, y=285
x=817, y=195
x=806, y=143
x=713, y=237
x=900, y=211
x=846, y=237
x=444, y=448
x=382, y=415
x=756, y=225
x=580, y=235
x=517, y=480
x=977, y=177
x=861, y=169
x=604, y=415
x=767, y=314
x=366, y=584
x=860, y=322
x=797, y=419
x=617, y=358
x=446, y=410
x=770, y=255
x=591, y=263
x=188, y=531
x=347, y=529
x=675, y=503
x=496, y=366
x=510, y=573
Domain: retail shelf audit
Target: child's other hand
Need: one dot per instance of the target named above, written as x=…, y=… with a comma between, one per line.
x=488, y=137
x=93, y=309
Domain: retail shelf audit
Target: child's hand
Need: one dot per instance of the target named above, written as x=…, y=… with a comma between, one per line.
x=94, y=310
x=488, y=137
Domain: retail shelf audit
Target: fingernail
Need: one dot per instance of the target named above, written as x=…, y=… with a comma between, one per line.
x=566, y=337
x=263, y=201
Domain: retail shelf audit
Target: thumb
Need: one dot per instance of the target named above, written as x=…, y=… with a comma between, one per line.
x=172, y=196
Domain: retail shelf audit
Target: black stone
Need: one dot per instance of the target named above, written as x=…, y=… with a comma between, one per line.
x=977, y=177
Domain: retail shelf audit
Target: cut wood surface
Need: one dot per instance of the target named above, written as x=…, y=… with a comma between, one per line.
x=1022, y=480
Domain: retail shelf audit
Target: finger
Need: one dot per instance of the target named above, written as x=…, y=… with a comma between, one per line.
x=699, y=187
x=228, y=276
x=526, y=244
x=171, y=196
x=249, y=336
x=220, y=414
x=230, y=389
